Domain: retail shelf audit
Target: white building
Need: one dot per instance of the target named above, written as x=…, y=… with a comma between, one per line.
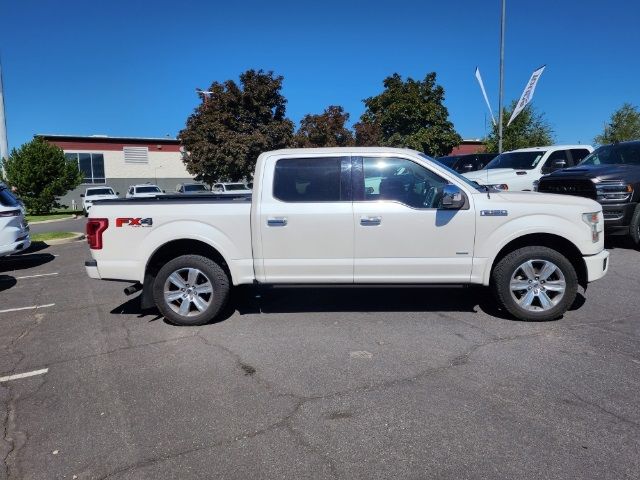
x=122, y=161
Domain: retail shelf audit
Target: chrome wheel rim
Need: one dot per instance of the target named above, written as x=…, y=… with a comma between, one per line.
x=188, y=292
x=537, y=285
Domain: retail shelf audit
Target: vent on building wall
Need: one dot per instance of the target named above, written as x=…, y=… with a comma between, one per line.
x=136, y=154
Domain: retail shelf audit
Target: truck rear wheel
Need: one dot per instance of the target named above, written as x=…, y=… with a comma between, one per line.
x=191, y=290
x=535, y=283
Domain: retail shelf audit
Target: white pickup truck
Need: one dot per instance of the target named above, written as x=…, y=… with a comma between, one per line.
x=522, y=169
x=345, y=216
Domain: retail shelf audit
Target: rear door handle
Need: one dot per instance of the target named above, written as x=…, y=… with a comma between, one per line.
x=370, y=221
x=277, y=222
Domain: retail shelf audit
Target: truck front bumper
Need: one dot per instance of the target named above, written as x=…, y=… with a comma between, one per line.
x=617, y=218
x=597, y=265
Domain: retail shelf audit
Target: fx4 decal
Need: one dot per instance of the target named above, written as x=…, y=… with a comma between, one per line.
x=134, y=222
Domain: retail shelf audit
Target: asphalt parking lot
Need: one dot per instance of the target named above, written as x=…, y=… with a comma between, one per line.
x=356, y=383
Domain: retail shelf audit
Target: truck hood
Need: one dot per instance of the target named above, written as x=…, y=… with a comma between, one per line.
x=550, y=199
x=603, y=172
x=493, y=175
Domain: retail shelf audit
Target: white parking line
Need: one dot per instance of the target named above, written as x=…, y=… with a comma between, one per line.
x=36, y=276
x=32, y=307
x=23, y=375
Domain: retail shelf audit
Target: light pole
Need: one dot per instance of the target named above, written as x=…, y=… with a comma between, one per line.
x=500, y=93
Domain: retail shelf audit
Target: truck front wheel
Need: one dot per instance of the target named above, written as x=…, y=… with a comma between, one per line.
x=191, y=290
x=634, y=227
x=535, y=283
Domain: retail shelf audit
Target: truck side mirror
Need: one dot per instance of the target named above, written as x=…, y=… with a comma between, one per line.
x=82, y=195
x=553, y=166
x=452, y=198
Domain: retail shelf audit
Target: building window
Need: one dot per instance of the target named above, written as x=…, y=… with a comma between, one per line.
x=136, y=154
x=91, y=165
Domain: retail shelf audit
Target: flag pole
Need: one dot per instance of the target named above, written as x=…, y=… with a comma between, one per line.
x=500, y=93
x=4, y=149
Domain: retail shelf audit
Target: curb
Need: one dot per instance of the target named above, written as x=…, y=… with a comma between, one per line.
x=61, y=241
x=40, y=222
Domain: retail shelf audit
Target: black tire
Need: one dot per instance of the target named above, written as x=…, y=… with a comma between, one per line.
x=634, y=226
x=509, y=267
x=209, y=271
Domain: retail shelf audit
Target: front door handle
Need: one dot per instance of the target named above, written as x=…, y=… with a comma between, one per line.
x=370, y=221
x=277, y=222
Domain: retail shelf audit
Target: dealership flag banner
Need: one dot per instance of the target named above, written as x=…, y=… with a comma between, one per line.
x=484, y=94
x=527, y=95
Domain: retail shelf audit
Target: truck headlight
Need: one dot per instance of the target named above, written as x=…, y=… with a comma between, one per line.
x=498, y=186
x=593, y=219
x=613, y=191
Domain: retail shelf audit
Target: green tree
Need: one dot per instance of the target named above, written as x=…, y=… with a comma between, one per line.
x=325, y=130
x=624, y=125
x=41, y=174
x=529, y=129
x=233, y=125
x=410, y=114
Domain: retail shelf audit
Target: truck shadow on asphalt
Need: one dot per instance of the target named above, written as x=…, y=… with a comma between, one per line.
x=249, y=300
x=6, y=282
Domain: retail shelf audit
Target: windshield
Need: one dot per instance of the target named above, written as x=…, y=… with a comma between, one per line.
x=147, y=190
x=621, y=153
x=517, y=160
x=100, y=191
x=195, y=188
x=447, y=161
x=235, y=186
x=464, y=180
x=7, y=199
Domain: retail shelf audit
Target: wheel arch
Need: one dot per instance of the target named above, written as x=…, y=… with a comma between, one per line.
x=549, y=240
x=171, y=250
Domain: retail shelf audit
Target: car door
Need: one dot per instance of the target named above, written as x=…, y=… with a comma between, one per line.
x=401, y=236
x=306, y=220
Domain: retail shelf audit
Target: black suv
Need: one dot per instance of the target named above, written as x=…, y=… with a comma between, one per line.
x=611, y=176
x=467, y=163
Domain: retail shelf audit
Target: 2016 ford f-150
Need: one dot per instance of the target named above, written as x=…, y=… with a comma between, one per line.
x=350, y=216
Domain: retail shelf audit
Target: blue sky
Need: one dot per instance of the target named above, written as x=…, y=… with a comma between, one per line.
x=130, y=68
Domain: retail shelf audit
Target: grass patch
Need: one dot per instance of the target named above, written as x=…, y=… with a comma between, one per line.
x=43, y=237
x=49, y=216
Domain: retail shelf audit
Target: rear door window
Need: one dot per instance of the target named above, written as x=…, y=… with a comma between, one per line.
x=309, y=179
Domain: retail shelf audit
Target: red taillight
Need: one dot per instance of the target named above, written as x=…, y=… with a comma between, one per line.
x=10, y=213
x=95, y=229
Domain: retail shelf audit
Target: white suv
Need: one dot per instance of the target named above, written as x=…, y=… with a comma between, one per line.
x=145, y=190
x=14, y=231
x=521, y=169
x=92, y=194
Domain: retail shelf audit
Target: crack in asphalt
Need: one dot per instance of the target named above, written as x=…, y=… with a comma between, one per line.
x=602, y=409
x=286, y=421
